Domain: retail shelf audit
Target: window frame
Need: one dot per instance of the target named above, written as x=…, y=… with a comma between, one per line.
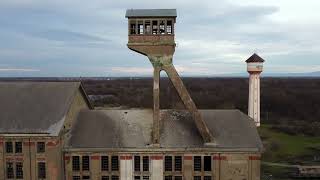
x=41, y=170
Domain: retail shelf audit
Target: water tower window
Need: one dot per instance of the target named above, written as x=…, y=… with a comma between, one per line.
x=161, y=27
x=147, y=27
x=154, y=27
x=140, y=27
x=169, y=27
x=132, y=27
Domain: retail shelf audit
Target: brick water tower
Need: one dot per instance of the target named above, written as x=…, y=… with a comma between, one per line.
x=254, y=68
x=151, y=33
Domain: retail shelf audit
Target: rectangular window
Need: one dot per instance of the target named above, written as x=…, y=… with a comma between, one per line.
x=19, y=170
x=42, y=170
x=168, y=178
x=146, y=178
x=140, y=27
x=10, y=174
x=136, y=163
x=196, y=177
x=137, y=178
x=178, y=178
x=114, y=177
x=18, y=147
x=207, y=178
x=75, y=163
x=145, y=163
x=178, y=163
x=168, y=163
x=75, y=177
x=85, y=163
x=154, y=27
x=41, y=147
x=9, y=147
x=169, y=27
x=104, y=163
x=197, y=163
x=207, y=163
x=85, y=177
x=147, y=27
x=162, y=27
x=114, y=163
x=105, y=178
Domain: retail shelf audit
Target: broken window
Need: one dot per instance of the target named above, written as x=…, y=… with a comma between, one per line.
x=114, y=163
x=207, y=163
x=85, y=163
x=168, y=163
x=154, y=27
x=104, y=163
x=162, y=27
x=19, y=170
x=41, y=147
x=145, y=163
x=197, y=163
x=178, y=163
x=9, y=147
x=147, y=25
x=140, y=27
x=18, y=148
x=132, y=27
x=137, y=163
x=169, y=27
x=10, y=174
x=75, y=177
x=105, y=178
x=75, y=163
x=41, y=170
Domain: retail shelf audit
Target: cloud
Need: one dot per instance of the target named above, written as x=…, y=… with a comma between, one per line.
x=18, y=70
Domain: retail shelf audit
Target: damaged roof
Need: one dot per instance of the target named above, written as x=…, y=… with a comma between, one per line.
x=130, y=13
x=133, y=128
x=35, y=107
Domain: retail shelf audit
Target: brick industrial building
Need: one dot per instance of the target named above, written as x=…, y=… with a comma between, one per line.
x=49, y=130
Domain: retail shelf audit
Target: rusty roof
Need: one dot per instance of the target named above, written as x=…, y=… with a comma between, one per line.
x=254, y=58
x=151, y=13
x=121, y=129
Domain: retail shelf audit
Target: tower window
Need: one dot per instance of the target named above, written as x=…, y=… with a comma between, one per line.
x=19, y=170
x=10, y=174
x=162, y=27
x=140, y=27
x=42, y=170
x=137, y=163
x=41, y=147
x=18, y=147
x=114, y=163
x=132, y=27
x=207, y=163
x=197, y=163
x=85, y=163
x=147, y=27
x=154, y=27
x=145, y=163
x=168, y=163
x=75, y=163
x=169, y=27
x=104, y=163
x=9, y=147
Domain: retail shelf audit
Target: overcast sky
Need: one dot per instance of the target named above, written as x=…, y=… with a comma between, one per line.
x=88, y=38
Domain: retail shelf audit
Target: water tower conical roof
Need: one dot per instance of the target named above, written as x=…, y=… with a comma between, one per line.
x=254, y=58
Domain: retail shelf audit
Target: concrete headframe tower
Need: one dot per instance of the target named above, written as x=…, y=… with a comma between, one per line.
x=254, y=68
x=151, y=33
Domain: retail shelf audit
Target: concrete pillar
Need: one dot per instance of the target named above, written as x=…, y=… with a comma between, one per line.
x=157, y=167
x=126, y=167
x=156, y=105
x=254, y=97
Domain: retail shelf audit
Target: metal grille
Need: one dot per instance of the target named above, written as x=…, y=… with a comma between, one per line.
x=42, y=170
x=207, y=163
x=145, y=163
x=104, y=163
x=114, y=164
x=85, y=163
x=9, y=147
x=10, y=170
x=167, y=163
x=19, y=170
x=197, y=163
x=18, y=147
x=137, y=163
x=178, y=163
x=41, y=147
x=75, y=163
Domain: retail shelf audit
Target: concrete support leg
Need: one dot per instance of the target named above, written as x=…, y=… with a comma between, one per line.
x=156, y=105
x=188, y=102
